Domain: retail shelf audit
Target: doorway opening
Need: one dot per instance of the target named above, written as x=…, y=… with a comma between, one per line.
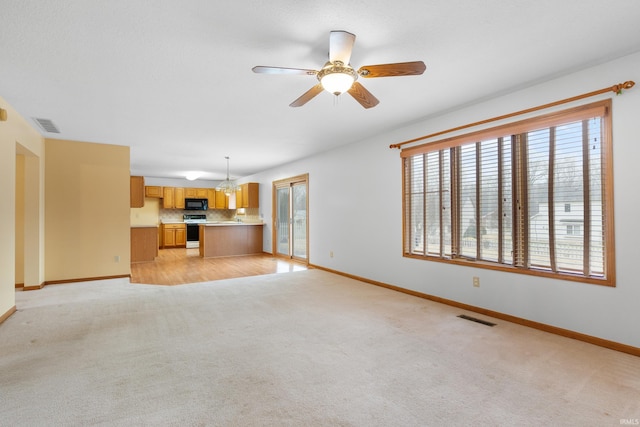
x=291, y=218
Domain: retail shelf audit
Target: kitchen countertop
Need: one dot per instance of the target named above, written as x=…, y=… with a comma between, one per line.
x=232, y=223
x=144, y=226
x=210, y=223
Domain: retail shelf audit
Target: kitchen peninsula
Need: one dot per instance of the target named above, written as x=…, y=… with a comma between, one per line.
x=227, y=238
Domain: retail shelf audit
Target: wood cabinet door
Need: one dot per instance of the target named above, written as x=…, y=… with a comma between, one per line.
x=254, y=195
x=211, y=198
x=169, y=237
x=153, y=191
x=181, y=236
x=221, y=200
x=136, y=191
x=179, y=198
x=245, y=195
x=168, y=200
x=201, y=193
x=239, y=201
x=190, y=193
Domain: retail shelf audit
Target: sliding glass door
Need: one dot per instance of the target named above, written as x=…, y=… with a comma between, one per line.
x=290, y=218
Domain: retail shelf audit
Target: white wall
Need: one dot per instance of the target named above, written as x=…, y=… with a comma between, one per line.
x=179, y=182
x=355, y=211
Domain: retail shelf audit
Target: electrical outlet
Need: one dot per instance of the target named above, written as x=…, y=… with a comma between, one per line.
x=476, y=282
x=116, y=258
x=330, y=254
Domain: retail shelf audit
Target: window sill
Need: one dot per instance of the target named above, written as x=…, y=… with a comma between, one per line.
x=509, y=269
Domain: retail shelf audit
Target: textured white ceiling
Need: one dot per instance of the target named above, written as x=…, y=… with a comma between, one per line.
x=173, y=80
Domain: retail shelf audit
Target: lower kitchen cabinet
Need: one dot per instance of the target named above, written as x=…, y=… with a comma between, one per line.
x=174, y=235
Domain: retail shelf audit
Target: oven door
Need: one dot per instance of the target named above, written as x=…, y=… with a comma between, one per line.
x=193, y=235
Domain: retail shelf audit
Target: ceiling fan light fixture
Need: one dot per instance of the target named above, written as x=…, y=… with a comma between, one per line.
x=336, y=78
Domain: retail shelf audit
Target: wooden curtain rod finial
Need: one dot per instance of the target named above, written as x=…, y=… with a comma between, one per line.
x=620, y=86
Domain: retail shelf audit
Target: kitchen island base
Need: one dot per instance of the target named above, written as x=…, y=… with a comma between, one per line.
x=222, y=240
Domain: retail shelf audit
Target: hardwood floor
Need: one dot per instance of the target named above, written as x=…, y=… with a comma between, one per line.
x=180, y=266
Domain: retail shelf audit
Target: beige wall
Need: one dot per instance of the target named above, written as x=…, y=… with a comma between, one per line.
x=148, y=214
x=87, y=210
x=19, y=252
x=18, y=137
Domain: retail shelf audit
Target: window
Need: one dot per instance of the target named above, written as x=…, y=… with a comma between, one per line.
x=573, y=230
x=533, y=196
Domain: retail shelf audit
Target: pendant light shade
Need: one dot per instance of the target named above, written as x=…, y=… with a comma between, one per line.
x=227, y=185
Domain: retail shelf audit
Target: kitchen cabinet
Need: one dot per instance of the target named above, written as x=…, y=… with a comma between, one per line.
x=239, y=197
x=247, y=195
x=174, y=235
x=179, y=198
x=222, y=201
x=217, y=199
x=136, y=190
x=168, y=198
x=195, y=193
x=173, y=198
x=153, y=191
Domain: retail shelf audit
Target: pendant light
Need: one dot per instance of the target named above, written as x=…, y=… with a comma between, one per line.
x=227, y=185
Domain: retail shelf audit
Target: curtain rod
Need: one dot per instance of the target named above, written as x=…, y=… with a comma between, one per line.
x=615, y=88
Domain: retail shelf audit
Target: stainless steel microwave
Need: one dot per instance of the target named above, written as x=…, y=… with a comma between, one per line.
x=196, y=204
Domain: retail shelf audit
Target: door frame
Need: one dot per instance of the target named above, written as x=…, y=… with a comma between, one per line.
x=288, y=182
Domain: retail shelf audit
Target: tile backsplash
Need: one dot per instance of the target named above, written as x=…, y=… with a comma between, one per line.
x=249, y=215
x=169, y=215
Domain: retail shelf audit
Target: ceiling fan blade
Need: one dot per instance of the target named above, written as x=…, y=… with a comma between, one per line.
x=307, y=96
x=393, y=70
x=340, y=46
x=282, y=70
x=363, y=96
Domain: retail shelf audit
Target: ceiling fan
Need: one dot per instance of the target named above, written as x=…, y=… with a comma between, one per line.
x=338, y=76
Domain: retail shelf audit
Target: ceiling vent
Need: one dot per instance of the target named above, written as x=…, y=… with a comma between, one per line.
x=46, y=125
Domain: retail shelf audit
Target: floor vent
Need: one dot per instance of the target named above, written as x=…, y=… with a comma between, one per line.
x=473, y=319
x=47, y=125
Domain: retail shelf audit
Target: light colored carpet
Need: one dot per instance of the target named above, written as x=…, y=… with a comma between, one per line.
x=304, y=348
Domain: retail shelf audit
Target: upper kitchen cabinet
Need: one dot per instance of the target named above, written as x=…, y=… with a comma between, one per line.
x=168, y=198
x=153, y=191
x=217, y=199
x=248, y=196
x=137, y=191
x=172, y=198
x=179, y=198
x=222, y=201
x=195, y=193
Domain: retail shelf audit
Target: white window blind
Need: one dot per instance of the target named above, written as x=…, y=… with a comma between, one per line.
x=532, y=196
